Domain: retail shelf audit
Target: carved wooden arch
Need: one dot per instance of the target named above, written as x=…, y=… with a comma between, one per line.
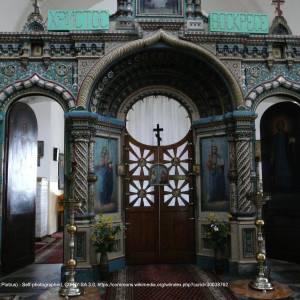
x=160, y=36
x=39, y=86
x=279, y=85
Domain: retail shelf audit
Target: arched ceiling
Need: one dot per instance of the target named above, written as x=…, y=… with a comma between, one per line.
x=13, y=13
x=162, y=65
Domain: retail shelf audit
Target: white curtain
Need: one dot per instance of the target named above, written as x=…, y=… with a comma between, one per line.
x=145, y=114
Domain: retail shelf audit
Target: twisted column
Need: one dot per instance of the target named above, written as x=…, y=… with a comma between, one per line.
x=82, y=127
x=242, y=141
x=232, y=174
x=244, y=175
x=92, y=178
x=80, y=156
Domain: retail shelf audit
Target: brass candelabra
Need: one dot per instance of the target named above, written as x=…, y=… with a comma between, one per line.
x=259, y=198
x=70, y=288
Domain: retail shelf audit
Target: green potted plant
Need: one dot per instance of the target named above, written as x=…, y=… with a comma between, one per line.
x=104, y=238
x=217, y=235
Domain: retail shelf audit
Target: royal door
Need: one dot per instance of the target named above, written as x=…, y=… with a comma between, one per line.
x=159, y=206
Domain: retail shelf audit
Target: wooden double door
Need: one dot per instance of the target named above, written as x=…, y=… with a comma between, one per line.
x=159, y=206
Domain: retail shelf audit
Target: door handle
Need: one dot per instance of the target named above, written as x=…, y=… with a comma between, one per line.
x=191, y=219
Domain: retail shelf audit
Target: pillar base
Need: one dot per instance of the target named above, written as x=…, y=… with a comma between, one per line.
x=52, y=294
x=243, y=269
x=241, y=289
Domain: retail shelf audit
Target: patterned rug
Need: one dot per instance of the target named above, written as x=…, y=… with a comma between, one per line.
x=165, y=282
x=50, y=251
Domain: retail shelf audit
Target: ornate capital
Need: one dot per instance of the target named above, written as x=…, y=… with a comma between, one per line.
x=82, y=125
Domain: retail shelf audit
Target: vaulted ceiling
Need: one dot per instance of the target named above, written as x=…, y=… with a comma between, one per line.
x=162, y=66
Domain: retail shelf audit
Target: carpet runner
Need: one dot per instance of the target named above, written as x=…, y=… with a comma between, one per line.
x=165, y=282
x=50, y=250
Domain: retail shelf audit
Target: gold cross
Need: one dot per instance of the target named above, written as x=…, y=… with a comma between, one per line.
x=278, y=4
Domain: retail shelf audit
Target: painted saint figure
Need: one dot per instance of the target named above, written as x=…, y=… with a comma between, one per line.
x=105, y=177
x=216, y=178
x=159, y=175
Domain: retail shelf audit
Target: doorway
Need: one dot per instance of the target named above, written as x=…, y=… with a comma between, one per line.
x=159, y=206
x=39, y=222
x=19, y=209
x=280, y=145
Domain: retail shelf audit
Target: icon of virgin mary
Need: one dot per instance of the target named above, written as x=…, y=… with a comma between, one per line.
x=106, y=181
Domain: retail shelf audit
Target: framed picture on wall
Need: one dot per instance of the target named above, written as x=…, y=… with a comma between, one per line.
x=160, y=7
x=214, y=170
x=106, y=166
x=40, y=152
x=61, y=171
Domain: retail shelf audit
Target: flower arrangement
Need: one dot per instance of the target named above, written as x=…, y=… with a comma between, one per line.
x=104, y=234
x=60, y=203
x=217, y=233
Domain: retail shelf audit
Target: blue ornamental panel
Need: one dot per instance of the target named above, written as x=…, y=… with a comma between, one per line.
x=62, y=72
x=257, y=73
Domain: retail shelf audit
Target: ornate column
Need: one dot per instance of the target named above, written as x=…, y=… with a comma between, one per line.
x=244, y=138
x=240, y=131
x=92, y=178
x=82, y=133
x=232, y=174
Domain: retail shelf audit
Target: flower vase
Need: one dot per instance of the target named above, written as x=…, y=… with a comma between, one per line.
x=103, y=266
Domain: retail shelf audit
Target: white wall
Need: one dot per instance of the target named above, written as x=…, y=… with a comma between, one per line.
x=50, y=119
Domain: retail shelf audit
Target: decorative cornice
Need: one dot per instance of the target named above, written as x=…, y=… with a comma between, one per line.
x=127, y=35
x=172, y=24
x=70, y=37
x=245, y=115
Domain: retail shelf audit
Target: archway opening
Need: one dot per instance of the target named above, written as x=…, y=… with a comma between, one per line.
x=34, y=151
x=280, y=145
x=158, y=183
x=280, y=136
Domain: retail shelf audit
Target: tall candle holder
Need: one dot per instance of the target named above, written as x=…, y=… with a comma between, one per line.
x=70, y=288
x=259, y=198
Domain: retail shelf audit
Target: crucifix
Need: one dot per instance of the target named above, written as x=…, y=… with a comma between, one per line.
x=157, y=134
x=36, y=6
x=278, y=4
